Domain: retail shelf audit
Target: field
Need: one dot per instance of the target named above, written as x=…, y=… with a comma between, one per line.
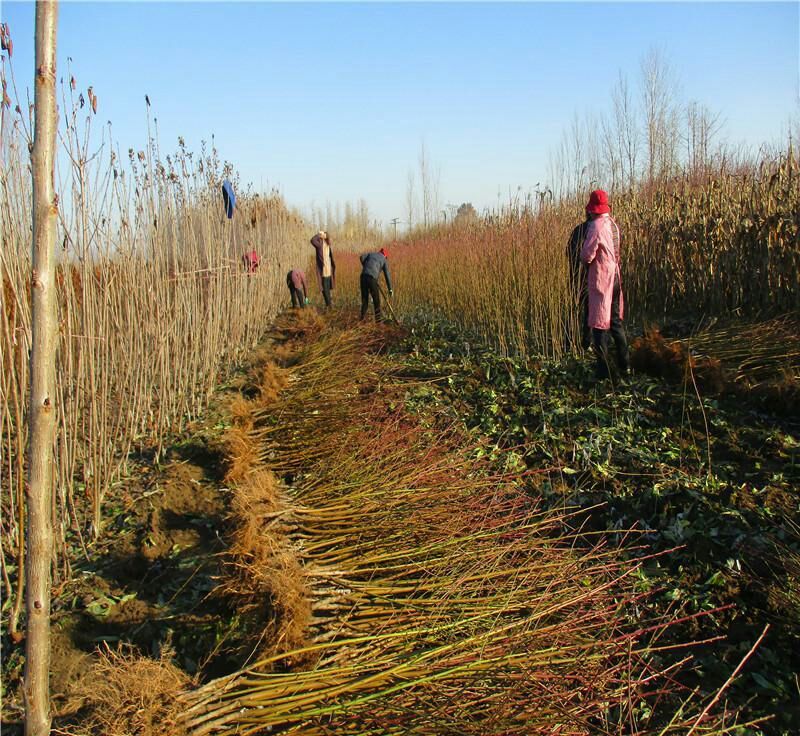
x=293, y=521
x=696, y=249
x=307, y=568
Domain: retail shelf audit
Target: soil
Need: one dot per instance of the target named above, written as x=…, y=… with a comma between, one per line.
x=149, y=582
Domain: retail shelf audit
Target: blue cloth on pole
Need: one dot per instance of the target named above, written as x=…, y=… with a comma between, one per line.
x=228, y=197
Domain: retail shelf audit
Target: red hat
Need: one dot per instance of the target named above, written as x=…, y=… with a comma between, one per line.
x=598, y=203
x=384, y=252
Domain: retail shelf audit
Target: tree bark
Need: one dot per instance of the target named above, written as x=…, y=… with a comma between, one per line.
x=39, y=532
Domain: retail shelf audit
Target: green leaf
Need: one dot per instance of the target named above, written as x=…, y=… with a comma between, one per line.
x=764, y=682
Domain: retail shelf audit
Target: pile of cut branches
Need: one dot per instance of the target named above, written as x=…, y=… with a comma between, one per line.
x=442, y=599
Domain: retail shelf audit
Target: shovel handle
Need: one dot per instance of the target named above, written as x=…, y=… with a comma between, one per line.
x=388, y=304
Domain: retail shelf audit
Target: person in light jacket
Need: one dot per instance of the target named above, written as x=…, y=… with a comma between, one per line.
x=372, y=264
x=296, y=281
x=326, y=266
x=601, y=253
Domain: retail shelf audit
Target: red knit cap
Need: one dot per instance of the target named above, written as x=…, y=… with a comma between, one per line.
x=384, y=252
x=598, y=203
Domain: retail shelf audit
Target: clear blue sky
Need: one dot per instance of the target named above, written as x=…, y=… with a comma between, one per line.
x=331, y=101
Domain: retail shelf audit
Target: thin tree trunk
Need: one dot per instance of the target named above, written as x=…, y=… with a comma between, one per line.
x=39, y=535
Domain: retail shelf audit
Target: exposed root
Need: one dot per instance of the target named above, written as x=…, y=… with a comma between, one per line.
x=241, y=411
x=671, y=360
x=262, y=576
x=133, y=696
x=781, y=394
x=241, y=454
x=272, y=381
x=759, y=362
x=300, y=324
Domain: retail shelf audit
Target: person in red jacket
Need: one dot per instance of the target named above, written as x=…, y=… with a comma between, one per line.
x=250, y=261
x=326, y=266
x=296, y=281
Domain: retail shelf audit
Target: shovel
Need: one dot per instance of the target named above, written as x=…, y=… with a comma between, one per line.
x=388, y=304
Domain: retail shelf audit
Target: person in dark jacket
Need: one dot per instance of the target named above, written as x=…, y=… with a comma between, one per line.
x=577, y=283
x=371, y=266
x=326, y=266
x=296, y=281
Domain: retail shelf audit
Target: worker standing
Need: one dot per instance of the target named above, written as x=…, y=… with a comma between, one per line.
x=296, y=281
x=326, y=266
x=601, y=253
x=372, y=264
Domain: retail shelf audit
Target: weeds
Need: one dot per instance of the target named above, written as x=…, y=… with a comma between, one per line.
x=717, y=495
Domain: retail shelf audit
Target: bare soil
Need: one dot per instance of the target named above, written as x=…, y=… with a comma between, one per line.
x=149, y=586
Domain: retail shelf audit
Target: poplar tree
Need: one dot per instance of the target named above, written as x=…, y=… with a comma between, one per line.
x=39, y=531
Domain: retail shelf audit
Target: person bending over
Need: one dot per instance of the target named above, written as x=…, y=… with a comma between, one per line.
x=372, y=264
x=296, y=281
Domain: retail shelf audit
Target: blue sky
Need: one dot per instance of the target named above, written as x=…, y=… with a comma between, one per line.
x=332, y=101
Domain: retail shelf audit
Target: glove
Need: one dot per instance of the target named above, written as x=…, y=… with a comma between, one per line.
x=308, y=301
